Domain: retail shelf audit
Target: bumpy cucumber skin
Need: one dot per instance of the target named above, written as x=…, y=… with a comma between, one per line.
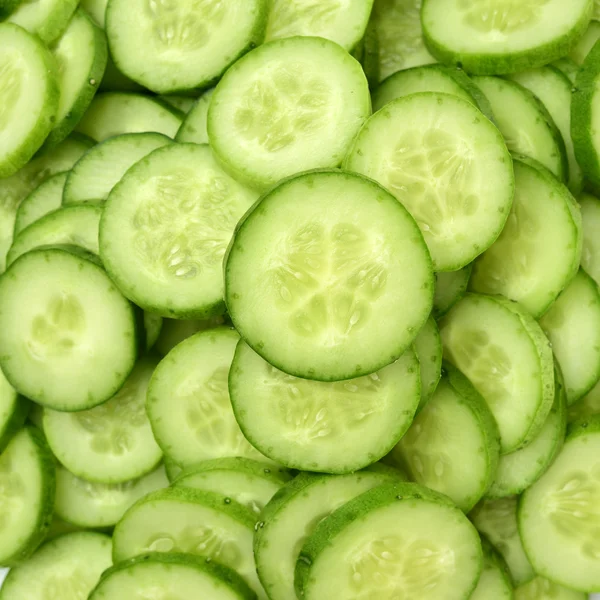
x=503, y=64
x=213, y=569
x=16, y=421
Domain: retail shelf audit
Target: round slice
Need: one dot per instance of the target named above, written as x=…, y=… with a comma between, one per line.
x=165, y=229
x=14, y=410
x=194, y=129
x=113, y=442
x=188, y=401
x=27, y=484
x=450, y=287
x=393, y=540
x=169, y=48
x=337, y=263
x=68, y=566
x=539, y=250
x=330, y=427
x=428, y=348
x=29, y=96
x=288, y=106
x=544, y=589
x=502, y=36
x=494, y=582
x=560, y=513
x=447, y=164
x=68, y=339
x=507, y=358
x=179, y=575
x=590, y=217
x=586, y=407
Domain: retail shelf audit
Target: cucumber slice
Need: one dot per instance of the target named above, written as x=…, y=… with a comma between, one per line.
x=114, y=113
x=447, y=164
x=47, y=19
x=71, y=225
x=526, y=124
x=26, y=495
x=544, y=589
x=113, y=442
x=81, y=55
x=590, y=216
x=165, y=229
x=394, y=540
x=367, y=54
x=8, y=6
x=71, y=345
x=344, y=23
x=572, y=325
x=188, y=401
x=249, y=482
x=97, y=505
x=507, y=358
x=503, y=36
x=539, y=250
x=181, y=103
x=330, y=427
x=453, y=445
x=518, y=470
x=197, y=522
x=152, y=326
x=183, y=575
x=175, y=331
x=96, y=9
x=68, y=567
x=398, y=27
x=428, y=348
x=497, y=520
x=275, y=113
x=553, y=88
x=336, y=262
x=585, y=43
x=293, y=514
x=559, y=514
x=173, y=469
x=29, y=97
x=171, y=48
x=586, y=407
x=99, y=170
x=450, y=287
x=14, y=410
x=494, y=582
x=568, y=67
x=194, y=127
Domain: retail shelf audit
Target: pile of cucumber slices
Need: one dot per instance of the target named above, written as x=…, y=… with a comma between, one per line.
x=299, y=299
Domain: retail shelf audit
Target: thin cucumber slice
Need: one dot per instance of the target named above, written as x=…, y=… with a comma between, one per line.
x=68, y=566
x=194, y=127
x=293, y=514
x=92, y=505
x=46, y=198
x=572, y=325
x=330, y=427
x=274, y=114
x=175, y=331
x=47, y=19
x=539, y=250
x=559, y=514
x=399, y=35
x=183, y=575
x=453, y=445
x=171, y=48
x=73, y=343
x=447, y=164
x=567, y=67
x=29, y=96
x=153, y=327
x=71, y=225
x=428, y=348
x=526, y=124
x=497, y=520
x=336, y=262
x=190, y=521
x=173, y=469
x=249, y=482
x=494, y=583
x=14, y=410
x=181, y=103
x=188, y=401
x=590, y=216
x=544, y=589
x=585, y=43
x=518, y=470
x=503, y=36
x=96, y=9
x=394, y=540
x=553, y=88
x=507, y=358
x=588, y=406
x=27, y=495
x=113, y=442
x=114, y=113
x=342, y=22
x=99, y=170
x=166, y=227
x=450, y=287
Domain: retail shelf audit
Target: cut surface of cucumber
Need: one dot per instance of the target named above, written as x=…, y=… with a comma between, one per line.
x=335, y=261
x=194, y=127
x=447, y=164
x=590, y=216
x=494, y=582
x=96, y=9
x=544, y=589
x=586, y=407
x=14, y=410
x=73, y=343
x=181, y=103
x=450, y=287
x=175, y=331
x=47, y=19
x=428, y=348
x=288, y=106
x=586, y=42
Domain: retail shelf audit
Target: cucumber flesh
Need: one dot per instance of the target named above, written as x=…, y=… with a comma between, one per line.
x=590, y=216
x=428, y=348
x=495, y=580
x=194, y=127
x=450, y=287
x=47, y=19
x=588, y=406
x=544, y=589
